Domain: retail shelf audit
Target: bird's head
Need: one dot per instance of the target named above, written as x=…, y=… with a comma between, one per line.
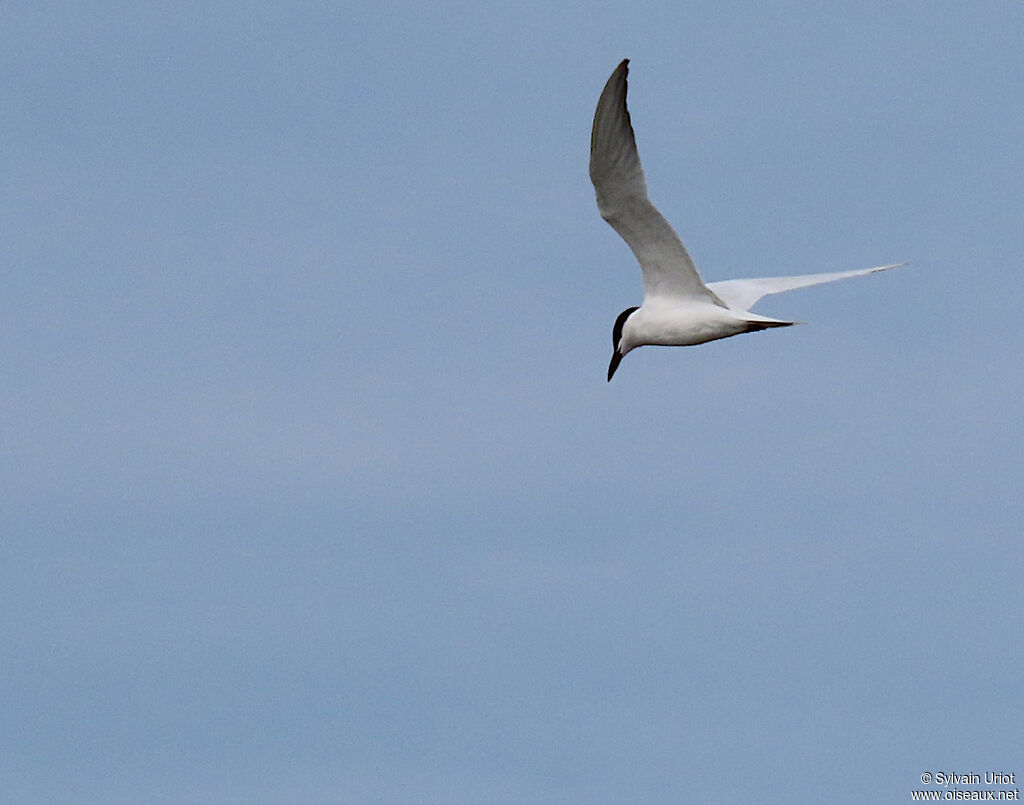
x=619, y=349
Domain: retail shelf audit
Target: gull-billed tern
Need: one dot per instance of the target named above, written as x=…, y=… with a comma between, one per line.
x=679, y=309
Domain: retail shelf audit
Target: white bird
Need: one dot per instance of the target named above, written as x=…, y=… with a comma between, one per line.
x=679, y=309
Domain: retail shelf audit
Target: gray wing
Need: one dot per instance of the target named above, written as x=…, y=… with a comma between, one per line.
x=742, y=294
x=622, y=199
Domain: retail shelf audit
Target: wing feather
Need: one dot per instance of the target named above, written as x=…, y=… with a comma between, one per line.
x=621, y=192
x=743, y=294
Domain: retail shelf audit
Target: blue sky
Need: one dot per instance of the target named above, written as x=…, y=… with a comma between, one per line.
x=314, y=490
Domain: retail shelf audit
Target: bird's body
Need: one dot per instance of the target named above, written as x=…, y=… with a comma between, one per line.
x=671, y=323
x=679, y=309
x=660, y=322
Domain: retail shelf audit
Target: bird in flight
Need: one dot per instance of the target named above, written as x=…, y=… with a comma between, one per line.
x=679, y=308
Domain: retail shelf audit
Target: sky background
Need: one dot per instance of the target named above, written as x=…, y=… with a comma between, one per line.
x=313, y=487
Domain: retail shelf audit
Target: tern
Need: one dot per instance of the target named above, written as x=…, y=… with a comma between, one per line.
x=679, y=308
